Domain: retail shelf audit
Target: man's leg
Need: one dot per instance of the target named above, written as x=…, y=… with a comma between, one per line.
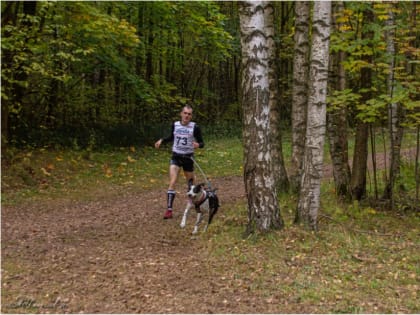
x=173, y=175
x=189, y=176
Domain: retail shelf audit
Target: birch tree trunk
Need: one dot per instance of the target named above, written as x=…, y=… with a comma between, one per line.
x=300, y=90
x=309, y=197
x=256, y=23
x=279, y=168
x=337, y=117
x=394, y=110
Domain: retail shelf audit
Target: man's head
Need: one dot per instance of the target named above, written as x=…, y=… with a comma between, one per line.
x=186, y=114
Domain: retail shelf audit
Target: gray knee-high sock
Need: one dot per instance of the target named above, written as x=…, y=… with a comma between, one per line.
x=171, y=197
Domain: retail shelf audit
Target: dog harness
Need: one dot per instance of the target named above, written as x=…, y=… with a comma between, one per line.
x=202, y=200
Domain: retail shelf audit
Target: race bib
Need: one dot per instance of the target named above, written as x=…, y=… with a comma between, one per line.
x=183, y=138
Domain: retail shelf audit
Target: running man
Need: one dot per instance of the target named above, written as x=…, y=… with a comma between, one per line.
x=185, y=137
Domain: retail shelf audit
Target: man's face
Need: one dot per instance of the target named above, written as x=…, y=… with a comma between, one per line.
x=186, y=115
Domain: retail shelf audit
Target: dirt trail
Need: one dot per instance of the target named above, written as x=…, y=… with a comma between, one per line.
x=115, y=255
x=109, y=256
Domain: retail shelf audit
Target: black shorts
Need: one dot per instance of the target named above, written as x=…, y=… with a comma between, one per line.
x=183, y=160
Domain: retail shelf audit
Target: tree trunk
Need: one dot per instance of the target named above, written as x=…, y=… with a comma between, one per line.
x=300, y=90
x=256, y=23
x=394, y=111
x=279, y=169
x=310, y=189
x=358, y=178
x=337, y=119
x=149, y=49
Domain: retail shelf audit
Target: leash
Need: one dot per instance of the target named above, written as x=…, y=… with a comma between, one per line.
x=204, y=175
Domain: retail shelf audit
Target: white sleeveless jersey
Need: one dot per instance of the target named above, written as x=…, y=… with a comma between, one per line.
x=183, y=138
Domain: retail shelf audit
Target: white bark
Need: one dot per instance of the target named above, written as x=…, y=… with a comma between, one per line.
x=394, y=110
x=300, y=89
x=257, y=30
x=309, y=199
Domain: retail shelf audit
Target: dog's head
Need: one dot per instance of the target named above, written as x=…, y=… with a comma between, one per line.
x=195, y=191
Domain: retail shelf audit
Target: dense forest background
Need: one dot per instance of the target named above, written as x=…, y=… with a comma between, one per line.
x=116, y=72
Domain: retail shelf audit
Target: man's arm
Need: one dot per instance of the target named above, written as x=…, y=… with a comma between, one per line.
x=198, y=137
x=166, y=139
x=170, y=137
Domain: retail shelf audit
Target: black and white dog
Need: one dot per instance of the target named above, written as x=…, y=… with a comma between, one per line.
x=201, y=199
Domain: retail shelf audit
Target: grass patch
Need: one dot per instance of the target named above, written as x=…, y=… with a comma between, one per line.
x=50, y=173
x=353, y=265
x=53, y=173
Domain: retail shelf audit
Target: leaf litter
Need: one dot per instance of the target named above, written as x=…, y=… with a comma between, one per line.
x=115, y=254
